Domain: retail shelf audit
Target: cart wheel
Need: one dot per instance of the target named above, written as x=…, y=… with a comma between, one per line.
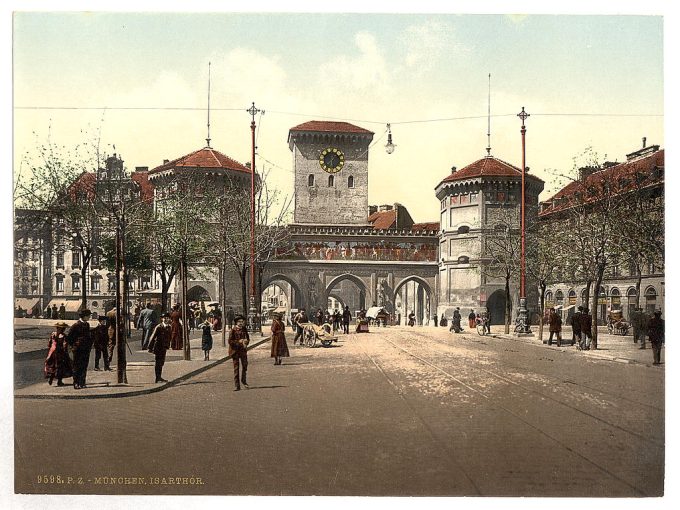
x=310, y=337
x=326, y=342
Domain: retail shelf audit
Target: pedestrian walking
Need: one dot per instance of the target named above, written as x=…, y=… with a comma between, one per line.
x=111, y=320
x=159, y=343
x=411, y=319
x=299, y=319
x=555, y=323
x=656, y=331
x=100, y=338
x=586, y=329
x=641, y=321
x=229, y=315
x=176, y=333
x=62, y=312
x=147, y=323
x=472, y=319
x=279, y=345
x=319, y=317
x=206, y=339
x=346, y=318
x=238, y=350
x=576, y=326
x=435, y=318
x=79, y=338
x=55, y=312
x=58, y=364
x=455, y=321
x=216, y=317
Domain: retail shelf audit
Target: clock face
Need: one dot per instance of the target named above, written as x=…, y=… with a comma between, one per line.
x=331, y=160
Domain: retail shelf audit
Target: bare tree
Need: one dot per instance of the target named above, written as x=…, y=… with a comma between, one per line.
x=501, y=252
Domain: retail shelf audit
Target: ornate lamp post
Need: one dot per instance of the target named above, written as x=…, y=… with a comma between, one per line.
x=523, y=314
x=253, y=315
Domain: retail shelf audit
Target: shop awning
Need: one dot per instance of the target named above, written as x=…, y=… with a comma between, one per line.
x=373, y=311
x=72, y=305
x=26, y=303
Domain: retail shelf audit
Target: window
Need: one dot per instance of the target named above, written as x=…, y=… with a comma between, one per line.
x=464, y=199
x=650, y=298
x=559, y=297
x=75, y=258
x=331, y=181
x=463, y=259
x=95, y=283
x=34, y=272
x=615, y=298
x=76, y=282
x=59, y=281
x=60, y=259
x=500, y=196
x=310, y=180
x=350, y=181
x=474, y=198
x=464, y=229
x=443, y=204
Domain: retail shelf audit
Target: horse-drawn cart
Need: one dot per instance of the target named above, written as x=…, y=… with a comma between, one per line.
x=312, y=332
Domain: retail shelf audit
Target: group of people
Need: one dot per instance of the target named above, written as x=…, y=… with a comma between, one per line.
x=653, y=328
x=68, y=354
x=456, y=320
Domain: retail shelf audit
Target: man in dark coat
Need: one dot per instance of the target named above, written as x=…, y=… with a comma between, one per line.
x=640, y=322
x=100, y=337
x=111, y=319
x=586, y=329
x=238, y=350
x=62, y=311
x=656, y=331
x=576, y=326
x=159, y=343
x=55, y=312
x=229, y=316
x=147, y=323
x=346, y=317
x=555, y=322
x=79, y=338
x=435, y=318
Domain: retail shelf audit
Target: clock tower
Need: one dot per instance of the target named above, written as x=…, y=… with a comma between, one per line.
x=331, y=173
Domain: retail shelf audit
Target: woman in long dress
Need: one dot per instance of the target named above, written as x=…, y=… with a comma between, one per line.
x=58, y=363
x=176, y=333
x=279, y=344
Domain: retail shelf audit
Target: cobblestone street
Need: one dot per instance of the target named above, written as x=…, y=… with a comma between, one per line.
x=399, y=411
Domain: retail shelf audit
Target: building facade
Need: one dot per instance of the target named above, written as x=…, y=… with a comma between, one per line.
x=475, y=200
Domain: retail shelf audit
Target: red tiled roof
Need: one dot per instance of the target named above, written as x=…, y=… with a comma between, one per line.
x=383, y=219
x=432, y=225
x=621, y=177
x=206, y=157
x=487, y=166
x=84, y=182
x=145, y=187
x=330, y=126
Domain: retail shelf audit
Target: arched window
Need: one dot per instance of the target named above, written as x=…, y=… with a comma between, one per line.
x=463, y=259
x=464, y=229
x=650, y=300
x=559, y=297
x=548, y=298
x=310, y=180
x=350, y=181
x=331, y=181
x=632, y=301
x=615, y=298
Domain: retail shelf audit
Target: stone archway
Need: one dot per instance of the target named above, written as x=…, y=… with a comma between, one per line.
x=296, y=299
x=413, y=294
x=356, y=299
x=198, y=293
x=496, y=306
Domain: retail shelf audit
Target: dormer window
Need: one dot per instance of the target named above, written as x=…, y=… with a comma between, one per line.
x=310, y=180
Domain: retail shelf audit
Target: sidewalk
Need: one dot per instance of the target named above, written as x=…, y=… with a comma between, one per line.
x=140, y=373
x=617, y=348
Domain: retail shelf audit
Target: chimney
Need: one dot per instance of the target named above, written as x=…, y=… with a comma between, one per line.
x=166, y=161
x=644, y=142
x=385, y=207
x=453, y=169
x=372, y=209
x=586, y=171
x=247, y=165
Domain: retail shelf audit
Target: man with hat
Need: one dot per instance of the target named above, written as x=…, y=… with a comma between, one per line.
x=639, y=322
x=159, y=343
x=586, y=329
x=100, y=336
x=576, y=326
x=147, y=323
x=555, y=327
x=80, y=339
x=238, y=350
x=656, y=331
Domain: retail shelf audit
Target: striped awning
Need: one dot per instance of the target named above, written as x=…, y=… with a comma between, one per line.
x=26, y=303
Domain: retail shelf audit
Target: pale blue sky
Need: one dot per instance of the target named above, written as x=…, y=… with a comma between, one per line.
x=367, y=68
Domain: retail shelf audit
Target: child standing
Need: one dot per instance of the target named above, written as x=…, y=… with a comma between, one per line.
x=206, y=340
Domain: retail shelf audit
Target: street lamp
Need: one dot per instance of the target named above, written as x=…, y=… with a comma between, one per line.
x=389, y=146
x=253, y=316
x=523, y=314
